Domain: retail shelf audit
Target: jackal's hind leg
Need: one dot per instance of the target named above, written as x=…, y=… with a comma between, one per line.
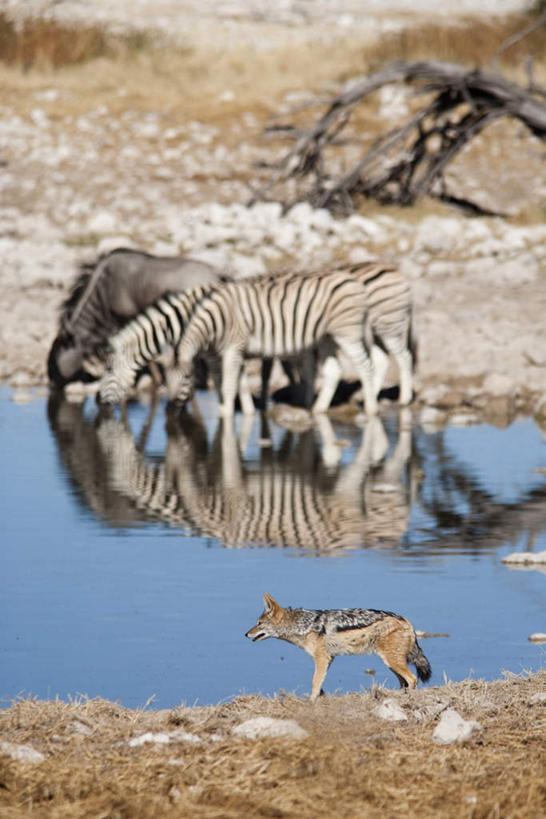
x=406, y=678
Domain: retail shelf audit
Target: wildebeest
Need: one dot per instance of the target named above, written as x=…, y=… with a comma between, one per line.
x=105, y=296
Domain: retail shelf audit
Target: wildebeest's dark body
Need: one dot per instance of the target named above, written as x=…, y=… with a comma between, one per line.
x=105, y=296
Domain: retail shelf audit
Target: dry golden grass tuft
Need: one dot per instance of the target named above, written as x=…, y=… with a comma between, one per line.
x=352, y=763
x=471, y=42
x=44, y=43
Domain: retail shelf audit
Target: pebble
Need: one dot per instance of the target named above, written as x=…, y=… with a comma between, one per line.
x=529, y=558
x=391, y=710
x=268, y=727
x=453, y=728
x=22, y=753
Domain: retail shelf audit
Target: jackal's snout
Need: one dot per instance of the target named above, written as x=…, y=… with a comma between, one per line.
x=255, y=633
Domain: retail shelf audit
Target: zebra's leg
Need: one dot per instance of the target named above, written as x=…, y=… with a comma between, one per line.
x=267, y=366
x=245, y=396
x=232, y=361
x=380, y=361
x=308, y=368
x=357, y=353
x=399, y=350
x=331, y=373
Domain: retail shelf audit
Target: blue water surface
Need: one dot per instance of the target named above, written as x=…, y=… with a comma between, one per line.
x=105, y=591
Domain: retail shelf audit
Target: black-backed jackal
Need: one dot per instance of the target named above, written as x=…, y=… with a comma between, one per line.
x=324, y=634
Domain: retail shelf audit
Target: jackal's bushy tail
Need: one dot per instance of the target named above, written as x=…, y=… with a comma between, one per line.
x=420, y=662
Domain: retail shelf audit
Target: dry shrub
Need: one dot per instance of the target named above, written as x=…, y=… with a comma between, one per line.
x=469, y=42
x=37, y=41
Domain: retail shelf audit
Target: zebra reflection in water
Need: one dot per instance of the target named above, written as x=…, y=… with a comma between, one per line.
x=295, y=496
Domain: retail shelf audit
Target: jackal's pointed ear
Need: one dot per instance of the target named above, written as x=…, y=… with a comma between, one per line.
x=270, y=605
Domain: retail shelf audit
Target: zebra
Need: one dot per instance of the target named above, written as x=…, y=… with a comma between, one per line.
x=390, y=316
x=144, y=338
x=105, y=296
x=287, y=315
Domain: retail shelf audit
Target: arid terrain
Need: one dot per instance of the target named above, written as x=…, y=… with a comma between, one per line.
x=155, y=142
x=372, y=754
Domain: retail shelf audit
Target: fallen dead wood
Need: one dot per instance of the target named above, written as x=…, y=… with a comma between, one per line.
x=409, y=161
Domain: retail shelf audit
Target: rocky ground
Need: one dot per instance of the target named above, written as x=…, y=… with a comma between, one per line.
x=158, y=152
x=469, y=749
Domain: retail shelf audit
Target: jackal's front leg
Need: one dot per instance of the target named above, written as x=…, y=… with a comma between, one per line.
x=322, y=664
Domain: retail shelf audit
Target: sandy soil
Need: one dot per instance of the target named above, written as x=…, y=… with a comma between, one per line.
x=374, y=754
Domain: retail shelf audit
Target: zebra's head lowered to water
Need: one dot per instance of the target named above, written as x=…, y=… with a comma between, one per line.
x=105, y=296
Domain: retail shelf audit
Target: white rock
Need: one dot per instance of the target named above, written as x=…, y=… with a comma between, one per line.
x=163, y=738
x=432, y=417
x=301, y=214
x=247, y=265
x=538, y=698
x=157, y=738
x=463, y=419
x=391, y=710
x=525, y=557
x=497, y=384
x=368, y=227
x=269, y=727
x=78, y=727
x=321, y=220
x=101, y=222
x=22, y=753
x=453, y=728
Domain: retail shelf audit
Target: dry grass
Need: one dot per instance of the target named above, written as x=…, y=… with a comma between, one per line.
x=352, y=764
x=471, y=42
x=41, y=43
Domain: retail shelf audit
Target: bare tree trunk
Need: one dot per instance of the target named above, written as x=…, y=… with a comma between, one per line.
x=405, y=163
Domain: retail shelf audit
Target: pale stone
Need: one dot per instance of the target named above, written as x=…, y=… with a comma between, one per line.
x=391, y=710
x=525, y=557
x=22, y=753
x=163, y=738
x=269, y=727
x=498, y=384
x=102, y=222
x=453, y=728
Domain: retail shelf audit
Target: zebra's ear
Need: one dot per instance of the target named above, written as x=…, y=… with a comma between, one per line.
x=270, y=604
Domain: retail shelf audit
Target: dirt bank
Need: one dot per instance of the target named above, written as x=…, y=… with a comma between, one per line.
x=343, y=756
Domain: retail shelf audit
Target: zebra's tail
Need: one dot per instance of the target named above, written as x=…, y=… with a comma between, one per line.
x=412, y=342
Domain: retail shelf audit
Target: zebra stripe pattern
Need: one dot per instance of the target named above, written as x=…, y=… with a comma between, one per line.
x=286, y=315
x=390, y=318
x=144, y=339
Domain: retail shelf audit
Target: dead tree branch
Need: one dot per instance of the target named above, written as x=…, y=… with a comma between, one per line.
x=409, y=161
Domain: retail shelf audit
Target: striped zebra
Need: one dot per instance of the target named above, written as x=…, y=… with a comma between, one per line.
x=390, y=316
x=276, y=316
x=287, y=315
x=147, y=336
